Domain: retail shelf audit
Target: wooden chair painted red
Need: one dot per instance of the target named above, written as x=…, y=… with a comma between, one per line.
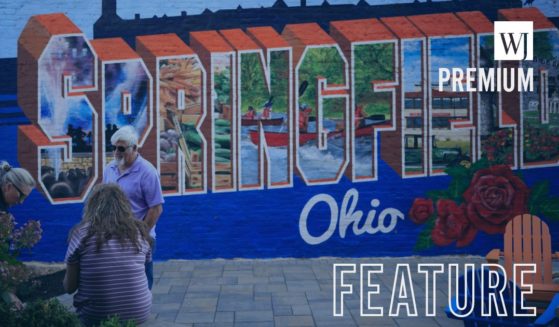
x=527, y=240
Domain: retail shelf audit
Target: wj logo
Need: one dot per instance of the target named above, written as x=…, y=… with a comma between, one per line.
x=514, y=40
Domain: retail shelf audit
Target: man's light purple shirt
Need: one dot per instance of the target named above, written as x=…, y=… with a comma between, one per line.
x=140, y=183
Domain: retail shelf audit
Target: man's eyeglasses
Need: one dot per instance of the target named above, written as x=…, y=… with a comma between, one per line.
x=22, y=195
x=121, y=148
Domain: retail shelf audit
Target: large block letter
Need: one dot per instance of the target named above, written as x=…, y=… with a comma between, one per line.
x=56, y=67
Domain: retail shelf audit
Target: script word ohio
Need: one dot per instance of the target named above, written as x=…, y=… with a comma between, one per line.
x=347, y=215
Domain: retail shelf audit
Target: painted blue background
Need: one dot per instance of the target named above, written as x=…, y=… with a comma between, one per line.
x=265, y=224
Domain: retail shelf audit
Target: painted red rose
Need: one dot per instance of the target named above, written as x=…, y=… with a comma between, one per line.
x=452, y=225
x=421, y=210
x=494, y=197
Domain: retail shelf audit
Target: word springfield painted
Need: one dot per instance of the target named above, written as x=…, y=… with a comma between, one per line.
x=249, y=109
x=491, y=299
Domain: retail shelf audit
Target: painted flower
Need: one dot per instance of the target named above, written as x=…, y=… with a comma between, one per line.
x=452, y=225
x=494, y=197
x=421, y=210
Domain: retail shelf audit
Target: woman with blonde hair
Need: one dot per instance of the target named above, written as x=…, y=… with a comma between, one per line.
x=15, y=186
x=105, y=260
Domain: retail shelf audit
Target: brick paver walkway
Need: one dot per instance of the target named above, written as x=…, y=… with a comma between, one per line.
x=283, y=292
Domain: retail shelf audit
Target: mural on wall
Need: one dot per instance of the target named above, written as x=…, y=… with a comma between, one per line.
x=304, y=140
x=265, y=103
x=540, y=108
x=414, y=118
x=63, y=117
x=180, y=110
x=321, y=142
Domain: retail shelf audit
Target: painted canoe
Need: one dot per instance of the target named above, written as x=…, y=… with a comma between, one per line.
x=275, y=139
x=265, y=122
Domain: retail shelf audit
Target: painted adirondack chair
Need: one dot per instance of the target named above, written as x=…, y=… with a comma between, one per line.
x=527, y=240
x=477, y=295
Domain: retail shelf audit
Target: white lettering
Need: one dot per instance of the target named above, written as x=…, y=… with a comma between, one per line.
x=402, y=277
x=525, y=289
x=344, y=268
x=513, y=79
x=370, y=269
x=496, y=285
x=430, y=270
x=444, y=76
x=387, y=219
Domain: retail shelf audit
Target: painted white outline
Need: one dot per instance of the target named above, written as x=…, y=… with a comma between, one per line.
x=469, y=289
x=524, y=289
x=149, y=112
x=234, y=125
x=494, y=278
x=470, y=129
x=401, y=277
x=182, y=190
x=375, y=289
x=67, y=93
x=531, y=165
x=423, y=109
x=345, y=162
x=430, y=288
x=383, y=86
x=353, y=270
x=263, y=149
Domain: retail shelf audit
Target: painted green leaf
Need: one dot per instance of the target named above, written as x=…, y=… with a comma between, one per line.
x=480, y=164
x=457, y=189
x=435, y=195
x=538, y=197
x=424, y=239
x=550, y=208
x=457, y=171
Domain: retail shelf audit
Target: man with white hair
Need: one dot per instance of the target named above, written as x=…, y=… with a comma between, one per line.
x=138, y=179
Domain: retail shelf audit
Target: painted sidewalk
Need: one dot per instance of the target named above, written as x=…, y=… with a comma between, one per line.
x=283, y=292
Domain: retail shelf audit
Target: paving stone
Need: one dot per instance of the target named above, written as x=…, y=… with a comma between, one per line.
x=199, y=305
x=246, y=305
x=270, y=288
x=167, y=316
x=252, y=280
x=169, y=298
x=276, y=279
x=373, y=321
x=160, y=289
x=416, y=322
x=288, y=321
x=173, y=281
x=254, y=316
x=255, y=324
x=282, y=310
x=163, y=323
x=333, y=323
x=224, y=316
x=164, y=307
x=307, y=285
x=301, y=310
x=289, y=298
x=178, y=289
x=176, y=274
x=237, y=289
x=195, y=317
x=202, y=288
x=447, y=322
